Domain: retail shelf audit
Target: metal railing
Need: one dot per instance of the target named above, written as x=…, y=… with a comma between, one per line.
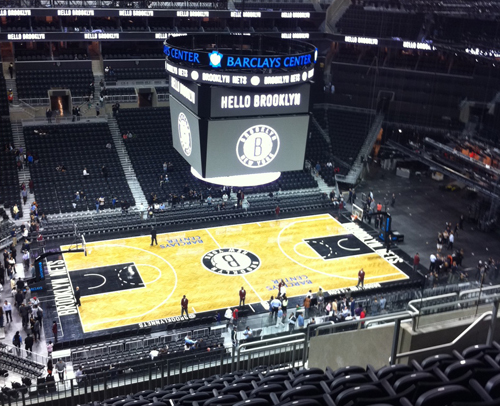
x=163, y=97
x=63, y=120
x=30, y=110
x=283, y=350
x=492, y=315
x=288, y=349
x=36, y=101
x=23, y=354
x=122, y=98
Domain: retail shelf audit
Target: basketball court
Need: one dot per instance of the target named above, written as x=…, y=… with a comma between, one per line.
x=128, y=281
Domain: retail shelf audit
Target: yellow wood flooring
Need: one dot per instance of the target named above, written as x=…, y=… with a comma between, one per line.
x=177, y=270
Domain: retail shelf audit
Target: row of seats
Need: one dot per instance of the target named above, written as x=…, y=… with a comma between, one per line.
x=347, y=130
x=151, y=146
x=13, y=362
x=131, y=357
x=135, y=73
x=116, y=220
x=36, y=83
x=75, y=146
x=380, y=24
x=419, y=98
x=469, y=378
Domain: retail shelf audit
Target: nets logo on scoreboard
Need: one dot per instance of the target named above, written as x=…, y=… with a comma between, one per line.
x=185, y=134
x=231, y=261
x=258, y=146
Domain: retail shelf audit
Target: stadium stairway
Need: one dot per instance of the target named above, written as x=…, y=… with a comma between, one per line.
x=11, y=84
x=132, y=181
x=24, y=174
x=334, y=13
x=323, y=186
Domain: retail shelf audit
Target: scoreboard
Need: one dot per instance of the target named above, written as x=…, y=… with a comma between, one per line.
x=243, y=117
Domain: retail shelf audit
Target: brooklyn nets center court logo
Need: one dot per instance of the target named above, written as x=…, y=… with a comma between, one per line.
x=230, y=261
x=185, y=134
x=258, y=146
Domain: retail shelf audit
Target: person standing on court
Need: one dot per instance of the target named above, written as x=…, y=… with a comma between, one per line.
x=361, y=278
x=153, y=236
x=184, y=306
x=243, y=295
x=77, y=296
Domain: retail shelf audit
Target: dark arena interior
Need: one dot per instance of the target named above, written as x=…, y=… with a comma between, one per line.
x=285, y=203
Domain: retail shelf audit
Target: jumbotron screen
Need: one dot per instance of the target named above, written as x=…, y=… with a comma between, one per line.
x=239, y=146
x=186, y=134
x=256, y=145
x=230, y=102
x=219, y=101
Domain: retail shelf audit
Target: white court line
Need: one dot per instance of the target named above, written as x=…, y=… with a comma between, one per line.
x=72, y=291
x=154, y=308
x=344, y=248
x=302, y=265
x=152, y=266
x=324, y=273
x=302, y=255
x=115, y=291
x=245, y=279
x=96, y=274
x=204, y=228
x=194, y=310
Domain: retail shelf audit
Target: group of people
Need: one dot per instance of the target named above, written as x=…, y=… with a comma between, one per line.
x=444, y=267
x=373, y=209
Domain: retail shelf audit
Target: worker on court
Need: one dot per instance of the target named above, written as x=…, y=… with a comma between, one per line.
x=77, y=296
x=243, y=295
x=361, y=278
x=184, y=306
x=153, y=236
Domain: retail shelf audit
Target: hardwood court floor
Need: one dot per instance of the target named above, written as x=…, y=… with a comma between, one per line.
x=210, y=266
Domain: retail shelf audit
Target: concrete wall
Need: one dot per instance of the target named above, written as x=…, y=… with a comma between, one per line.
x=361, y=347
x=443, y=332
x=373, y=346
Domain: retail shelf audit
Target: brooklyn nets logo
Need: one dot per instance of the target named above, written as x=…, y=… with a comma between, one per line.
x=230, y=261
x=184, y=134
x=258, y=146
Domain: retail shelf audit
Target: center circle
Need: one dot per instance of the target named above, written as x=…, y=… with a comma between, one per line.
x=230, y=261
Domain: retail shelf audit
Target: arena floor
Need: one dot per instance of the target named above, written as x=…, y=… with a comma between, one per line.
x=128, y=281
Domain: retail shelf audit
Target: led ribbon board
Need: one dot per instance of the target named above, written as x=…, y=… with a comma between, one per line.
x=229, y=52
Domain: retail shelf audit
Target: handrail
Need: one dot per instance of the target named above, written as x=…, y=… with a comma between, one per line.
x=243, y=350
x=266, y=340
x=479, y=290
x=63, y=120
x=456, y=340
x=30, y=109
x=423, y=299
x=329, y=106
x=371, y=319
x=474, y=300
x=22, y=353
